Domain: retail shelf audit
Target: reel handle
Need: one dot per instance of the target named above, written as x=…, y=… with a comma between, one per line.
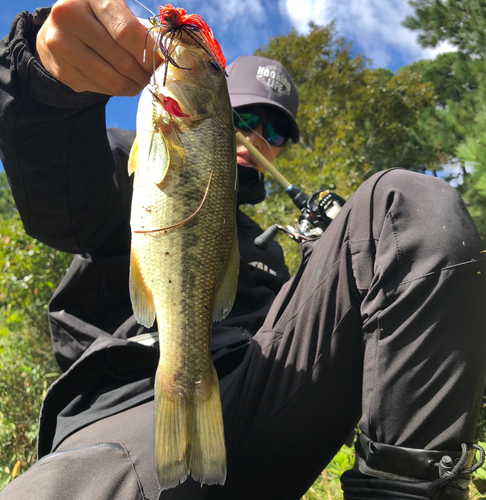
x=262, y=241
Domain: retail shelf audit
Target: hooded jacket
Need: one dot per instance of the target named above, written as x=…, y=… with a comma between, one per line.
x=69, y=178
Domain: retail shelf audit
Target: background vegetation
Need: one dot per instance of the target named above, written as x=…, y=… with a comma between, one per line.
x=29, y=272
x=354, y=121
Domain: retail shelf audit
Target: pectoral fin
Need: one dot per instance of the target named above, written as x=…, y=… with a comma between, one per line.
x=226, y=293
x=166, y=151
x=158, y=158
x=133, y=158
x=176, y=151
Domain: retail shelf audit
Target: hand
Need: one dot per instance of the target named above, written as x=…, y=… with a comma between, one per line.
x=96, y=46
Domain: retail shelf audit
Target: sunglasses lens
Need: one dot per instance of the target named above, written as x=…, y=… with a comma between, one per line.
x=246, y=121
x=275, y=133
x=273, y=137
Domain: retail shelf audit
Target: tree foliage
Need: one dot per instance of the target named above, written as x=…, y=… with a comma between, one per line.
x=354, y=121
x=462, y=23
x=472, y=152
x=458, y=80
x=29, y=273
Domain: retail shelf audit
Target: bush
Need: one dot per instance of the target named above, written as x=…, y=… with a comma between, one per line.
x=27, y=368
x=29, y=273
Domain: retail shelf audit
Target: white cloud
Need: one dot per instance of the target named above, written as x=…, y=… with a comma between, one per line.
x=302, y=12
x=440, y=49
x=376, y=25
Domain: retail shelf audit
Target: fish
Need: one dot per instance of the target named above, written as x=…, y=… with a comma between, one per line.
x=184, y=259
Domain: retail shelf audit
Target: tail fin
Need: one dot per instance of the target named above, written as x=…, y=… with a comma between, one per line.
x=189, y=434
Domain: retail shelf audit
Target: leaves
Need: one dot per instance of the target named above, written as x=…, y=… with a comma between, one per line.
x=462, y=23
x=7, y=205
x=29, y=273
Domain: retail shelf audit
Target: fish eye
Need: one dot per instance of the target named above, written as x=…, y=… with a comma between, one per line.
x=213, y=65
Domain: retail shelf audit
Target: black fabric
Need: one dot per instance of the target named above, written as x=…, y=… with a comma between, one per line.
x=251, y=187
x=406, y=462
x=357, y=486
x=111, y=377
x=44, y=136
x=382, y=324
x=106, y=467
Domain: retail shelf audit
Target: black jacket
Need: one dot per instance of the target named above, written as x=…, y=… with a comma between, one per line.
x=68, y=175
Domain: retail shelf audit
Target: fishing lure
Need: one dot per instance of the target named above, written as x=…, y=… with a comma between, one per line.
x=172, y=22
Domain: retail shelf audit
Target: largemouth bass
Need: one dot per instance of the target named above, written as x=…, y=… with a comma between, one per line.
x=184, y=256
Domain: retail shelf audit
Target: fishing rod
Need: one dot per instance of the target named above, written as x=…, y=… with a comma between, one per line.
x=316, y=211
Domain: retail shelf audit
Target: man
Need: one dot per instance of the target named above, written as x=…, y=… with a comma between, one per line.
x=382, y=323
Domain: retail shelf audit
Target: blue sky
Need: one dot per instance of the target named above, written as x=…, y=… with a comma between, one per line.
x=374, y=27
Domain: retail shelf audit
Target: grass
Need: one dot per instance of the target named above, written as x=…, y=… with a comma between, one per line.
x=328, y=486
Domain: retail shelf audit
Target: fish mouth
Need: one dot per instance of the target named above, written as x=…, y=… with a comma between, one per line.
x=170, y=105
x=173, y=107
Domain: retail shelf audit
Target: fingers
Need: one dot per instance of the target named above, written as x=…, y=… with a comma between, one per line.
x=96, y=46
x=124, y=28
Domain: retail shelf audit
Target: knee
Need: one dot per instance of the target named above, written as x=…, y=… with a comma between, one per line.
x=419, y=188
x=423, y=213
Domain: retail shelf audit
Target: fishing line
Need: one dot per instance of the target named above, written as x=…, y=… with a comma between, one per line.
x=148, y=31
x=155, y=96
x=146, y=8
x=145, y=231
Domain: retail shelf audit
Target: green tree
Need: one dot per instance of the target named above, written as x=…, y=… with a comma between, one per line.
x=354, y=121
x=472, y=152
x=462, y=23
x=457, y=79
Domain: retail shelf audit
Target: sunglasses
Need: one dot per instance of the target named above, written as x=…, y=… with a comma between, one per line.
x=273, y=132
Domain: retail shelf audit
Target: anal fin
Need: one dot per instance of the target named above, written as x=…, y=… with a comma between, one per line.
x=226, y=292
x=140, y=294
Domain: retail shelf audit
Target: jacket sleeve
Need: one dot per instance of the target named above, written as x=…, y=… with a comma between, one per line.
x=71, y=189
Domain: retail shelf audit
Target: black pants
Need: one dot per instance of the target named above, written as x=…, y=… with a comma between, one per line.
x=383, y=324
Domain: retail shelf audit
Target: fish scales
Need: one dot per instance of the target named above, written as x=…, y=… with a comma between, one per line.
x=184, y=262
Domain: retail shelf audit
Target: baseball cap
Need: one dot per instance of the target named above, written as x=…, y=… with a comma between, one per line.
x=259, y=80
